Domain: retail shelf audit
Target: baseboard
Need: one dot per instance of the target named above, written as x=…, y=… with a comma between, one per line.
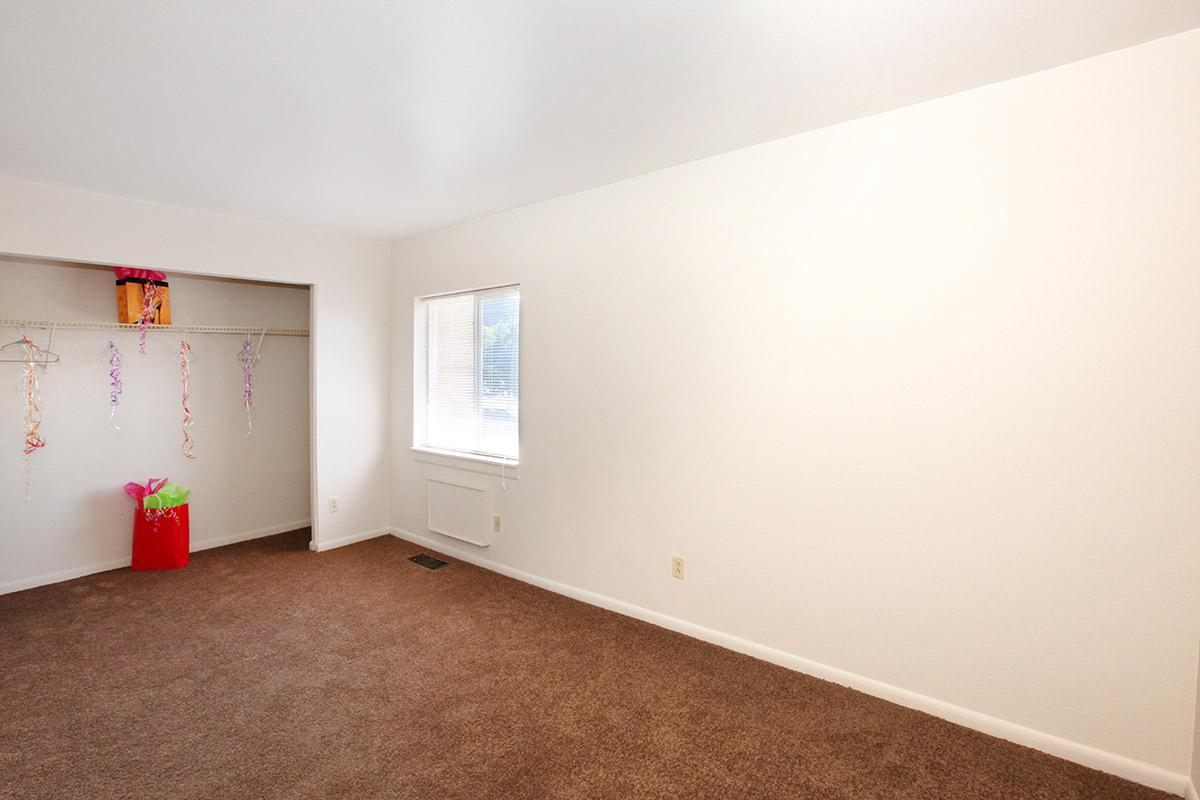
x=1190, y=791
x=342, y=541
x=1121, y=766
x=245, y=536
x=105, y=566
x=62, y=575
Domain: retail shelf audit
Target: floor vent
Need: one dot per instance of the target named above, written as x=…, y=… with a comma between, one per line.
x=427, y=561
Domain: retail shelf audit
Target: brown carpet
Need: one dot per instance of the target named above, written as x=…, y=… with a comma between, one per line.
x=264, y=670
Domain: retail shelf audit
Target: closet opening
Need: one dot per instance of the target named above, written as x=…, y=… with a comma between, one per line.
x=214, y=393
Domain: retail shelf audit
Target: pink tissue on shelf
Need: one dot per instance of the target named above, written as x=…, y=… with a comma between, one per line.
x=123, y=273
x=139, y=492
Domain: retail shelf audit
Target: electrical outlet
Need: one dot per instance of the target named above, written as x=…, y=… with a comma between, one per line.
x=677, y=567
x=497, y=524
x=333, y=505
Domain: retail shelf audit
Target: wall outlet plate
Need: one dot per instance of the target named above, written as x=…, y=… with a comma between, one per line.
x=497, y=523
x=677, y=567
x=334, y=506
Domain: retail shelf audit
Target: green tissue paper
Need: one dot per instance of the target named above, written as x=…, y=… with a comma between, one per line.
x=168, y=496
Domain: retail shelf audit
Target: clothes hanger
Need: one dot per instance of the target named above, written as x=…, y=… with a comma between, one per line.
x=240, y=354
x=31, y=352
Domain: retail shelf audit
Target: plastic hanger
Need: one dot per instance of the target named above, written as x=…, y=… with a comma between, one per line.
x=30, y=352
x=257, y=350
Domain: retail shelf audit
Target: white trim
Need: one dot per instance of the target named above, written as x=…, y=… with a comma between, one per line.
x=1190, y=791
x=271, y=530
x=314, y=462
x=118, y=563
x=62, y=575
x=1121, y=766
x=485, y=465
x=342, y=541
x=478, y=290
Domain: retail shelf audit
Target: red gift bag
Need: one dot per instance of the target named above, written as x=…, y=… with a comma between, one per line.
x=160, y=538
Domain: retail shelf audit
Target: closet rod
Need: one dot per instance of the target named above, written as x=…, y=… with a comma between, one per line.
x=133, y=326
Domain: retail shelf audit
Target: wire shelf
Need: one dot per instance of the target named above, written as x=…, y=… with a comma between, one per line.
x=122, y=326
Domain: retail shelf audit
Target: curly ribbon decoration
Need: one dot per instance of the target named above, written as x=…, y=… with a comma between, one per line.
x=185, y=377
x=246, y=356
x=115, y=386
x=149, y=295
x=33, y=414
x=155, y=516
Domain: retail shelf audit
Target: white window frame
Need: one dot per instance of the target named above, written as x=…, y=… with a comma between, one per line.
x=487, y=463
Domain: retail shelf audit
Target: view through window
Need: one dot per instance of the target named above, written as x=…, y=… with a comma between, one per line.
x=468, y=391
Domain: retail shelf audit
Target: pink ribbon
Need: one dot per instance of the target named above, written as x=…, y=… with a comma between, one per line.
x=115, y=386
x=246, y=356
x=33, y=414
x=185, y=378
x=149, y=296
x=139, y=492
x=124, y=273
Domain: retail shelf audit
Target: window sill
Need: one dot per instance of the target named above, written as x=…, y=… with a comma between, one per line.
x=486, y=465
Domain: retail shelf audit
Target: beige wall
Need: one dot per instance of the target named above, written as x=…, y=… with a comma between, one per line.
x=915, y=396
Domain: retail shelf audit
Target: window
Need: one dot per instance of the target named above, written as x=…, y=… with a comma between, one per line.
x=465, y=371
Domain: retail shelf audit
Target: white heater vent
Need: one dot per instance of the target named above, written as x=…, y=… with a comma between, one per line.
x=459, y=510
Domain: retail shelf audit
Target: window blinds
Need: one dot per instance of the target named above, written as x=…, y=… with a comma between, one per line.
x=471, y=372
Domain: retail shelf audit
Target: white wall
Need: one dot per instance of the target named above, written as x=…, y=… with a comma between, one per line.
x=77, y=516
x=915, y=396
x=350, y=311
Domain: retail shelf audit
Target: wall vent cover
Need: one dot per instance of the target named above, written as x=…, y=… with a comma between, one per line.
x=461, y=511
x=427, y=561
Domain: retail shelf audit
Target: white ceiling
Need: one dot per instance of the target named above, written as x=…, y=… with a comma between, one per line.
x=390, y=117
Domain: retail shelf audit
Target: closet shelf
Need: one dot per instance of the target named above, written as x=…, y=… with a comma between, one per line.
x=120, y=326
